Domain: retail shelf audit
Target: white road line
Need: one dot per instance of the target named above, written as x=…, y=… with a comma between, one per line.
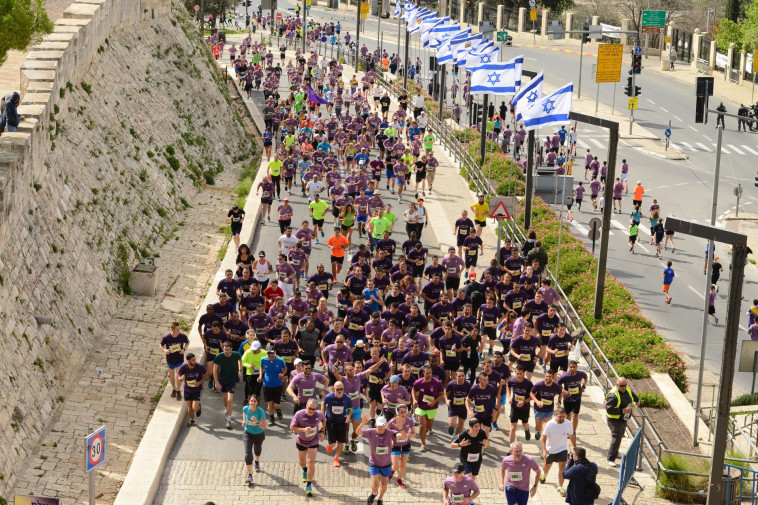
x=707, y=138
x=643, y=229
x=677, y=118
x=688, y=146
x=720, y=224
x=746, y=148
x=597, y=143
x=734, y=148
x=723, y=149
x=618, y=225
x=692, y=127
x=642, y=247
x=698, y=293
x=649, y=100
x=661, y=187
x=704, y=147
x=664, y=110
x=582, y=144
x=674, y=146
x=582, y=229
x=681, y=184
x=743, y=328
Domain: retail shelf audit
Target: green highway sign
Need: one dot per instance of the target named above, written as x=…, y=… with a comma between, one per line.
x=653, y=18
x=502, y=36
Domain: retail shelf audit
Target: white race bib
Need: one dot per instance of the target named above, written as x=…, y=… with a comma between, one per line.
x=427, y=399
x=516, y=476
x=459, y=401
x=338, y=410
x=472, y=457
x=381, y=451
x=354, y=396
x=373, y=380
x=450, y=353
x=191, y=383
x=308, y=392
x=310, y=431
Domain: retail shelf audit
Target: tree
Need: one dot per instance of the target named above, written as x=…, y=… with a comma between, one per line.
x=21, y=23
x=733, y=10
x=211, y=7
x=727, y=31
x=750, y=28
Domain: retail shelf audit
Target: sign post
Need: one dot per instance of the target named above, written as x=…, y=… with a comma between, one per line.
x=595, y=225
x=502, y=36
x=499, y=212
x=608, y=66
x=94, y=457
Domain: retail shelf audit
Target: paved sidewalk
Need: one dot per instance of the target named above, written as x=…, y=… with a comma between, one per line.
x=206, y=463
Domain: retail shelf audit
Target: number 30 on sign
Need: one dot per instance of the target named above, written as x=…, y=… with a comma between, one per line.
x=95, y=454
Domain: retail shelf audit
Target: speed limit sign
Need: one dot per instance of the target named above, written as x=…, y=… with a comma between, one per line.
x=95, y=449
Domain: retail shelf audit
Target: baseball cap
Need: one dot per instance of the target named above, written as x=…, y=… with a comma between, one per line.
x=286, y=199
x=381, y=421
x=360, y=343
x=297, y=361
x=256, y=345
x=271, y=351
x=458, y=468
x=394, y=379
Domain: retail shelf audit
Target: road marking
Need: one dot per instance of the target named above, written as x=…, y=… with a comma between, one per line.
x=649, y=100
x=693, y=128
x=743, y=328
x=723, y=149
x=664, y=110
x=581, y=228
x=677, y=118
x=643, y=229
x=661, y=187
x=698, y=293
x=597, y=143
x=746, y=148
x=617, y=225
x=582, y=144
x=704, y=147
x=688, y=146
x=707, y=138
x=734, y=148
x=643, y=247
x=681, y=184
x=674, y=146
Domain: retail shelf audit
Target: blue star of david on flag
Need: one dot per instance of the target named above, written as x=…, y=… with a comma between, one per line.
x=493, y=78
x=532, y=97
x=548, y=106
x=485, y=59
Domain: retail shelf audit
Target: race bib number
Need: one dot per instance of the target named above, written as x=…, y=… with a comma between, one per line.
x=382, y=451
x=401, y=438
x=214, y=351
x=308, y=392
x=295, y=262
x=457, y=498
x=450, y=353
x=323, y=287
x=338, y=410
x=472, y=252
x=459, y=401
x=472, y=457
x=353, y=326
x=516, y=476
x=452, y=270
x=518, y=398
x=392, y=406
x=287, y=359
x=354, y=396
x=527, y=358
x=175, y=348
x=415, y=370
x=282, y=275
x=546, y=333
x=547, y=402
x=479, y=408
x=373, y=380
x=560, y=354
x=266, y=194
x=191, y=384
x=489, y=324
x=310, y=431
x=573, y=391
x=427, y=399
x=516, y=305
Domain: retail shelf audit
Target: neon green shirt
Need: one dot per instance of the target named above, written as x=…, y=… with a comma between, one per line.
x=318, y=208
x=429, y=141
x=380, y=224
x=275, y=167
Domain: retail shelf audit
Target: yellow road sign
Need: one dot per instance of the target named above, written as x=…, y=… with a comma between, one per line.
x=632, y=105
x=609, y=62
x=533, y=14
x=667, y=40
x=364, y=7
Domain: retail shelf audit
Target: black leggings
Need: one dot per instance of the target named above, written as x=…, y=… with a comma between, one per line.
x=253, y=444
x=252, y=386
x=471, y=366
x=276, y=179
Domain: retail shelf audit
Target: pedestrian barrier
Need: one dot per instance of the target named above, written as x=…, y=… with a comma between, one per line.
x=741, y=485
x=629, y=462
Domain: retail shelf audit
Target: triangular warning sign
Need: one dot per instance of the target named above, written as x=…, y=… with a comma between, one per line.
x=500, y=212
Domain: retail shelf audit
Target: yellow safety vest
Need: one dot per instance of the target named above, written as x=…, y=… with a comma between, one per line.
x=616, y=392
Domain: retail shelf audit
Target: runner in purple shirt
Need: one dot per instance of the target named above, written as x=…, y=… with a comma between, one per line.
x=459, y=489
x=481, y=400
x=393, y=395
x=618, y=190
x=519, y=393
x=380, y=440
x=305, y=383
x=544, y=393
x=515, y=471
x=427, y=393
x=401, y=446
x=309, y=424
x=456, y=393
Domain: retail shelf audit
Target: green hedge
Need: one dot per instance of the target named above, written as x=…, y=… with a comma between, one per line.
x=624, y=334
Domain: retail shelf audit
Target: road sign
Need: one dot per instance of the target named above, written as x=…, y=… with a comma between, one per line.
x=667, y=133
x=609, y=62
x=532, y=4
x=197, y=8
x=652, y=29
x=594, y=233
x=95, y=449
x=596, y=222
x=35, y=500
x=533, y=14
x=637, y=50
x=596, y=32
x=502, y=36
x=364, y=7
x=738, y=191
x=632, y=104
x=308, y=3
x=498, y=208
x=278, y=15
x=667, y=40
x=653, y=18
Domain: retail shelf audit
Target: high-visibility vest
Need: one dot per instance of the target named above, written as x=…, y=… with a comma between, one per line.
x=616, y=392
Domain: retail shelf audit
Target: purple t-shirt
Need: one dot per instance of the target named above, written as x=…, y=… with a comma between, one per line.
x=395, y=396
x=306, y=385
x=297, y=259
x=521, y=391
x=353, y=387
x=573, y=384
x=518, y=473
x=192, y=377
x=394, y=424
x=334, y=354
x=380, y=446
x=174, y=344
x=460, y=490
x=453, y=266
x=427, y=393
x=527, y=348
x=285, y=272
x=546, y=394
x=311, y=421
x=562, y=345
x=579, y=190
x=482, y=400
x=456, y=398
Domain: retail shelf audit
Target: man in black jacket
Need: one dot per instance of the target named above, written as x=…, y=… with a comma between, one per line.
x=580, y=473
x=618, y=408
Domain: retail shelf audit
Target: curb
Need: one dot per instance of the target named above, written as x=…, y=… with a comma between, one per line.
x=677, y=156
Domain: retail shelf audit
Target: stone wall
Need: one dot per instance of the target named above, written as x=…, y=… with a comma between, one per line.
x=121, y=126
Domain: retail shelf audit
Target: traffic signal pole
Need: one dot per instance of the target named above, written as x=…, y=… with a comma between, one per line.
x=631, y=111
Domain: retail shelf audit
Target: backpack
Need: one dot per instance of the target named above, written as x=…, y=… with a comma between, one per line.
x=592, y=489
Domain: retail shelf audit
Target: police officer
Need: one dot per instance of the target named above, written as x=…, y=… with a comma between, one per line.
x=720, y=117
x=741, y=123
x=618, y=409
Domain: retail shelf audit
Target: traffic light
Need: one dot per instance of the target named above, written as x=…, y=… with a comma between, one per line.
x=248, y=3
x=637, y=91
x=586, y=36
x=636, y=64
x=628, y=88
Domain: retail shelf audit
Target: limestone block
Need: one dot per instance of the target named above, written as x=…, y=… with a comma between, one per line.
x=41, y=98
x=31, y=64
x=50, y=45
x=80, y=11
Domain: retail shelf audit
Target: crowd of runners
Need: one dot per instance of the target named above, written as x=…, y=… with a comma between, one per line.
x=369, y=347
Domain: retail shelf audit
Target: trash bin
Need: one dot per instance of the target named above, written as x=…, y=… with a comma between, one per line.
x=732, y=477
x=222, y=36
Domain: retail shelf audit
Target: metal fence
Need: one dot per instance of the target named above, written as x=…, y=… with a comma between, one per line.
x=683, y=42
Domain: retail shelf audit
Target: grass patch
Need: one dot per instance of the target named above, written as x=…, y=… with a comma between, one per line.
x=678, y=482
x=633, y=370
x=222, y=250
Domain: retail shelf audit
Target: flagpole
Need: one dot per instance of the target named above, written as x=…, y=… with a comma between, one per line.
x=441, y=69
x=397, y=41
x=358, y=34
x=483, y=143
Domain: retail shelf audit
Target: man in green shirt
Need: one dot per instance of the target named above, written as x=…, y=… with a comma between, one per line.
x=428, y=140
x=289, y=140
x=227, y=369
x=390, y=132
x=318, y=208
x=251, y=362
x=390, y=217
x=376, y=227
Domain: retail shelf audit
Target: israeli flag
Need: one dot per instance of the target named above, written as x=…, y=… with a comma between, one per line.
x=497, y=78
x=439, y=33
x=397, y=9
x=409, y=12
x=415, y=25
x=464, y=45
x=482, y=56
x=528, y=95
x=426, y=27
x=552, y=109
x=445, y=50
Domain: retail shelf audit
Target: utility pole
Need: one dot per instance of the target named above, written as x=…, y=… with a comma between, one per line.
x=407, y=63
x=608, y=193
x=358, y=34
x=202, y=19
x=304, y=28
x=483, y=143
x=441, y=69
x=529, y=180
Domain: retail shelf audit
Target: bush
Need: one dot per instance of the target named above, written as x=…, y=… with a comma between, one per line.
x=745, y=399
x=210, y=179
x=652, y=400
x=633, y=370
x=690, y=483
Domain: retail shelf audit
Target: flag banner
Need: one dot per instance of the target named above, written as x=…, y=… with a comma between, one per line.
x=528, y=95
x=497, y=78
x=314, y=97
x=440, y=33
x=552, y=109
x=482, y=56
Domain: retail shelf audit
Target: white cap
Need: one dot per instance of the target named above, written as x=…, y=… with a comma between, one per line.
x=297, y=361
x=381, y=421
x=256, y=345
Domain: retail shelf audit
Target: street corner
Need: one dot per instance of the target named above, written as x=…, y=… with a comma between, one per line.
x=671, y=154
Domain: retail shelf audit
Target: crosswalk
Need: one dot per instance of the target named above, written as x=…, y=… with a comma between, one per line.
x=700, y=147
x=617, y=227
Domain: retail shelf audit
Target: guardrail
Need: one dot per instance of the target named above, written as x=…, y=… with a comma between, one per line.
x=603, y=373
